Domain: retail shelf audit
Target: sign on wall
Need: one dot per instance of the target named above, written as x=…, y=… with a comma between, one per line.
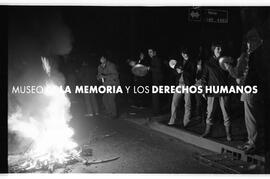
x=216, y=16
x=196, y=14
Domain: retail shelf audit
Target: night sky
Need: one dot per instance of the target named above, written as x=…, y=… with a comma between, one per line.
x=126, y=30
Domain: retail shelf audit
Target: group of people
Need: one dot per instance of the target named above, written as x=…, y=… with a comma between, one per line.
x=190, y=71
x=245, y=72
x=108, y=75
x=105, y=74
x=209, y=72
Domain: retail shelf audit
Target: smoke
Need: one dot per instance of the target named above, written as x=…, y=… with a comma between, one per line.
x=40, y=30
x=33, y=33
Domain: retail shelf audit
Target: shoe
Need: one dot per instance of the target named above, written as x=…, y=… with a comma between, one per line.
x=249, y=149
x=170, y=124
x=242, y=146
x=186, y=124
x=207, y=131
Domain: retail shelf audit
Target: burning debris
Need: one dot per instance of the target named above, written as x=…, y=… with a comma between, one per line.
x=51, y=136
x=29, y=164
x=45, y=162
x=52, y=145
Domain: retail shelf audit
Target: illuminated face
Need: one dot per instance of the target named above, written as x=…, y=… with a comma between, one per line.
x=103, y=60
x=217, y=51
x=151, y=53
x=185, y=56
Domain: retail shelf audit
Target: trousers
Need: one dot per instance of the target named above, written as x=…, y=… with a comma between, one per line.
x=91, y=103
x=177, y=97
x=252, y=115
x=109, y=103
x=212, y=103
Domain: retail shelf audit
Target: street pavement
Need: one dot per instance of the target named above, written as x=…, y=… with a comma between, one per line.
x=140, y=150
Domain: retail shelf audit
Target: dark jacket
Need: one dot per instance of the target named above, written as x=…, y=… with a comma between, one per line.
x=156, y=69
x=189, y=72
x=110, y=73
x=248, y=73
x=254, y=76
x=214, y=75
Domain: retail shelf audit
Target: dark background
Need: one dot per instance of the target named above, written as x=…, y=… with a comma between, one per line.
x=120, y=32
x=124, y=31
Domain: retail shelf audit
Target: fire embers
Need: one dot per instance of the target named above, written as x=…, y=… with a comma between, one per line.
x=47, y=162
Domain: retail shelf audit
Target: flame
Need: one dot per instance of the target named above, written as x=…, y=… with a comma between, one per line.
x=55, y=135
x=50, y=132
x=46, y=66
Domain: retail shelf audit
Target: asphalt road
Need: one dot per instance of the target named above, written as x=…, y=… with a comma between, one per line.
x=140, y=150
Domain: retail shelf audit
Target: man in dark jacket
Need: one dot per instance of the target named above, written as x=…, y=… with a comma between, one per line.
x=157, y=77
x=247, y=72
x=186, y=76
x=108, y=75
x=214, y=75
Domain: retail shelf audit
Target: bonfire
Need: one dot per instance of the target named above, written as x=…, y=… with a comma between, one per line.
x=52, y=144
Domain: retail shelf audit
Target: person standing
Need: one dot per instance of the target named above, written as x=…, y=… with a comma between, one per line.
x=142, y=99
x=214, y=75
x=200, y=107
x=108, y=75
x=157, y=77
x=87, y=77
x=186, y=73
x=246, y=72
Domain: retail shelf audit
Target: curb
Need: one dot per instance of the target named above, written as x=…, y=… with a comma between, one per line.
x=196, y=140
x=205, y=143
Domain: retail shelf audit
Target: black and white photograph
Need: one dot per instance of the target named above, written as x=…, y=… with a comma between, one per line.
x=135, y=89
